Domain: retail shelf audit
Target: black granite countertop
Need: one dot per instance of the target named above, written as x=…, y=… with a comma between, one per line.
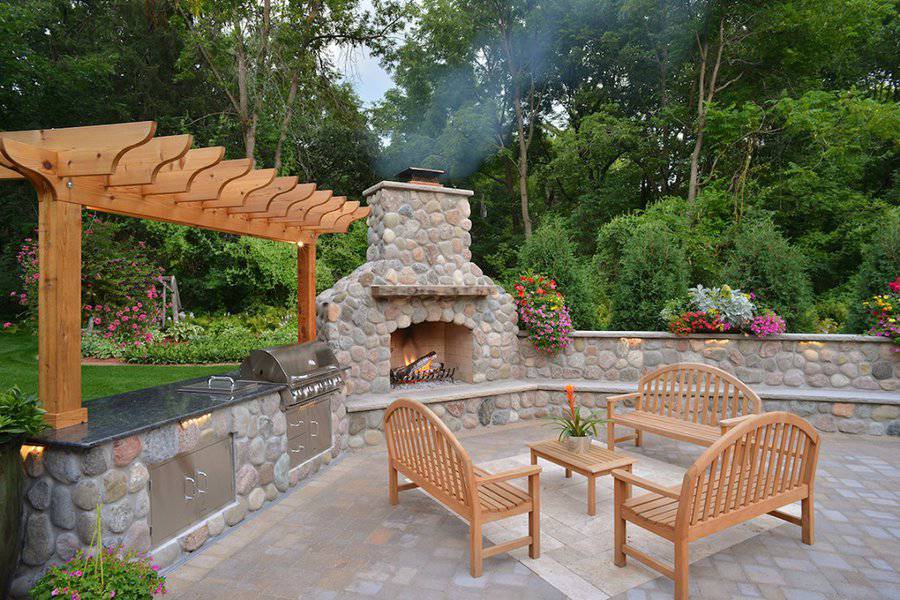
x=123, y=415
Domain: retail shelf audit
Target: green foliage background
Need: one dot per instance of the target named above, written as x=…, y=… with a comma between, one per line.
x=798, y=189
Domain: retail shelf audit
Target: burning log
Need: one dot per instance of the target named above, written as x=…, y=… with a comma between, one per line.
x=425, y=368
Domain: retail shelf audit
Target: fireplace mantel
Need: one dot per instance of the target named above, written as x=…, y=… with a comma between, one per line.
x=405, y=291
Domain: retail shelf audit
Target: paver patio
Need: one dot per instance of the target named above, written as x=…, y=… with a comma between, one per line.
x=336, y=536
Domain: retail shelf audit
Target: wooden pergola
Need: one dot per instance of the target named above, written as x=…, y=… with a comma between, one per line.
x=123, y=169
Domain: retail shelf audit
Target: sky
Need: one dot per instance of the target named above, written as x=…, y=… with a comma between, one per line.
x=362, y=70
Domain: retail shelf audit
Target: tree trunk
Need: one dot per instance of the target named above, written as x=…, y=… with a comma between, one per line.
x=286, y=121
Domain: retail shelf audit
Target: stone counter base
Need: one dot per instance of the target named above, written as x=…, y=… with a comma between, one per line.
x=64, y=486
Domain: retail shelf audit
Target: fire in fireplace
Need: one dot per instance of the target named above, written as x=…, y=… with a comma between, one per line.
x=423, y=369
x=431, y=352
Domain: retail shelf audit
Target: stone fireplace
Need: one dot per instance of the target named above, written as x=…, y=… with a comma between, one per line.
x=418, y=291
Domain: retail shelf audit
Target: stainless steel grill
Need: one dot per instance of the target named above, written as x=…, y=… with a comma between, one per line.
x=309, y=370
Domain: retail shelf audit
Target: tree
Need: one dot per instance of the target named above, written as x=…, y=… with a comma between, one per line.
x=268, y=56
x=762, y=261
x=880, y=266
x=653, y=270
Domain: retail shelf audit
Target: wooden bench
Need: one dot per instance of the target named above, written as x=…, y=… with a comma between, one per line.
x=763, y=463
x=425, y=451
x=685, y=401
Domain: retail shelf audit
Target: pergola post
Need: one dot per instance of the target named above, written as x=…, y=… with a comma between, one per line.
x=306, y=291
x=59, y=310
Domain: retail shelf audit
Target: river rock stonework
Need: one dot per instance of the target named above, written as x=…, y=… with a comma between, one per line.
x=840, y=362
x=418, y=236
x=64, y=485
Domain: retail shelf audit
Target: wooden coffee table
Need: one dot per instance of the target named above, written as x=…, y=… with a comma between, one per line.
x=594, y=463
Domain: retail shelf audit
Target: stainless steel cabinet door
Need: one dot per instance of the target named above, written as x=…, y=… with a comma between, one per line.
x=320, y=427
x=188, y=487
x=214, y=473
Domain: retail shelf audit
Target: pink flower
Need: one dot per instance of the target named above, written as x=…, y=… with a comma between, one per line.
x=7, y=325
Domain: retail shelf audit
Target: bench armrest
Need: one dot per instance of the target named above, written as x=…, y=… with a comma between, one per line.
x=620, y=397
x=627, y=477
x=611, y=402
x=726, y=424
x=516, y=473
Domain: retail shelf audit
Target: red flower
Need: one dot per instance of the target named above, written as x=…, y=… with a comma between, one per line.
x=570, y=395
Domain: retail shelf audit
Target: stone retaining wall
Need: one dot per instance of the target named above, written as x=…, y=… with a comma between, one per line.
x=367, y=428
x=64, y=485
x=838, y=362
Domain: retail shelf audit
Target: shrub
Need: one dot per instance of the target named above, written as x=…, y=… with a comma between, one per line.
x=763, y=261
x=20, y=416
x=231, y=344
x=121, y=287
x=880, y=263
x=653, y=270
x=543, y=312
x=551, y=251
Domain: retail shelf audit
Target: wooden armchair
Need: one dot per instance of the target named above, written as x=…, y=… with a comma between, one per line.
x=760, y=465
x=422, y=448
x=686, y=402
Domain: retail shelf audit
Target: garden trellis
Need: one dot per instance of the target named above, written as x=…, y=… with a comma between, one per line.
x=123, y=169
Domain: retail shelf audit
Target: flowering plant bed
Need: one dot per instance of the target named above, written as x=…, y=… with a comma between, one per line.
x=884, y=312
x=102, y=574
x=720, y=310
x=543, y=312
x=121, y=287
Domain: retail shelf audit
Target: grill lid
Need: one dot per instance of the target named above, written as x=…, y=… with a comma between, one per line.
x=294, y=364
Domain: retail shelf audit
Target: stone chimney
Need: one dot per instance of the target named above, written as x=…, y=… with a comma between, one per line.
x=421, y=222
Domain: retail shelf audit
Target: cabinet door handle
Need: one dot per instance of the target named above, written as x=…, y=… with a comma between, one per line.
x=299, y=423
x=298, y=450
x=205, y=488
x=193, y=482
x=316, y=423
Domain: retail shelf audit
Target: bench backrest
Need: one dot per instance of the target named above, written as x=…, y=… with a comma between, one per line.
x=696, y=392
x=422, y=448
x=765, y=462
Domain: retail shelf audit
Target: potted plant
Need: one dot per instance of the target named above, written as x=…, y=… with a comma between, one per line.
x=102, y=573
x=20, y=418
x=574, y=429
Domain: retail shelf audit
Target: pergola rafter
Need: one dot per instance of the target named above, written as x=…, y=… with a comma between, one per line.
x=123, y=169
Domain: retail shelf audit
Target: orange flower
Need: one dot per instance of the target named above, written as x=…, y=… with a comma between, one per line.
x=570, y=394
x=541, y=291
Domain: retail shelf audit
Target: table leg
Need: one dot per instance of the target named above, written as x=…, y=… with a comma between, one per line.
x=592, y=495
x=568, y=473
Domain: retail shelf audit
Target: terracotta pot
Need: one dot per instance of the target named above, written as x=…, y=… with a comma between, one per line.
x=11, y=482
x=579, y=445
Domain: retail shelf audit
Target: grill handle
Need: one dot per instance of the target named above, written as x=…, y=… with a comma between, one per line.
x=223, y=378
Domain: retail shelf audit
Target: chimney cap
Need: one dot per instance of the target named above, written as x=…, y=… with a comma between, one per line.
x=420, y=175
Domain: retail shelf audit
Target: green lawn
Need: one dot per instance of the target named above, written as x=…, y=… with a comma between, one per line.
x=18, y=366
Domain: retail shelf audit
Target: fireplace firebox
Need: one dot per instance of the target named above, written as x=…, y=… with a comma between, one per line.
x=432, y=351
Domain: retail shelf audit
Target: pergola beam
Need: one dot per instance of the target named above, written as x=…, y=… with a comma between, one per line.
x=122, y=169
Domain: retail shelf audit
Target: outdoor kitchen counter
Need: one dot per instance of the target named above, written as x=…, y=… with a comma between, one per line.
x=124, y=415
